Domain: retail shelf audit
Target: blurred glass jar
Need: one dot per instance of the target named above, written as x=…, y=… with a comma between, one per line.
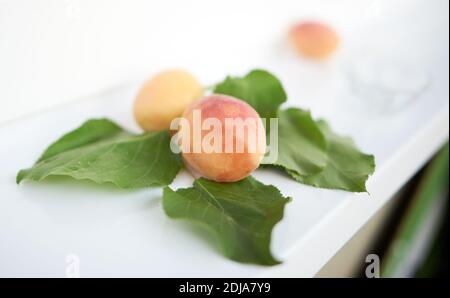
x=386, y=61
x=385, y=81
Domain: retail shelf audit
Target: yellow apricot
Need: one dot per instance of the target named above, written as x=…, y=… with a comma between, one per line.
x=164, y=97
x=313, y=40
x=223, y=165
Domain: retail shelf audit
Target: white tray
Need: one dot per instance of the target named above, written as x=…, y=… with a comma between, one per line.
x=121, y=233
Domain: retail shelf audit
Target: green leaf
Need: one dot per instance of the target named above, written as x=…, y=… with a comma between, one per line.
x=313, y=154
x=347, y=168
x=302, y=148
x=91, y=131
x=241, y=215
x=262, y=90
x=103, y=152
x=307, y=150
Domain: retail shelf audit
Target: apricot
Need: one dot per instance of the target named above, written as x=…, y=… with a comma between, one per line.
x=164, y=97
x=223, y=138
x=313, y=39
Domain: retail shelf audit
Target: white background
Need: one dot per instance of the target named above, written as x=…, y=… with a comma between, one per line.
x=54, y=51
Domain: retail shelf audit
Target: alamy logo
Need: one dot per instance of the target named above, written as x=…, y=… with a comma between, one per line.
x=72, y=266
x=228, y=135
x=373, y=267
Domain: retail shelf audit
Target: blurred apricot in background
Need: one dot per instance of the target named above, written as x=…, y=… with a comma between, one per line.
x=313, y=39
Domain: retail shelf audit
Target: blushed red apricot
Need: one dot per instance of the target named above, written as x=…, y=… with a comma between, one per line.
x=221, y=164
x=313, y=39
x=164, y=97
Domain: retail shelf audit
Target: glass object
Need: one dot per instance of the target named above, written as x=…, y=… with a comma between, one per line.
x=384, y=81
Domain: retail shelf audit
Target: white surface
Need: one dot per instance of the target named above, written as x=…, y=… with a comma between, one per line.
x=117, y=233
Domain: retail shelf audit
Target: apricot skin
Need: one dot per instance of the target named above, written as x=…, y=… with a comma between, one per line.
x=313, y=39
x=164, y=97
x=223, y=166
